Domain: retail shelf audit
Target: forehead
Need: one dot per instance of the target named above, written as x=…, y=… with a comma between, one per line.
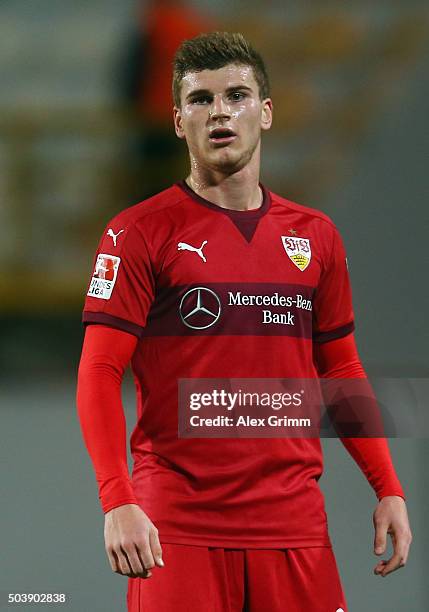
x=219, y=80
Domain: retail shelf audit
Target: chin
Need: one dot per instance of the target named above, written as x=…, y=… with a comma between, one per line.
x=229, y=161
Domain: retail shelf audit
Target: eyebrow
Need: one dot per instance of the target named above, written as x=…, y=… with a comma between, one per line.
x=207, y=92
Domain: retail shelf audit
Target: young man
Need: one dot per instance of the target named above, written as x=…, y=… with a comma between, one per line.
x=221, y=524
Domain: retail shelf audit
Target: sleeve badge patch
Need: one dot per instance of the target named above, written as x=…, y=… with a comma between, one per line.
x=298, y=250
x=104, y=276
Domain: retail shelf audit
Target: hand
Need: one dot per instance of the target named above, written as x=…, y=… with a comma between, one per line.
x=131, y=541
x=390, y=517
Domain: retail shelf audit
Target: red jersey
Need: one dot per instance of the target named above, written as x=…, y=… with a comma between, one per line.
x=274, y=280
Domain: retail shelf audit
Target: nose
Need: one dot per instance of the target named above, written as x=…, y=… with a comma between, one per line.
x=219, y=108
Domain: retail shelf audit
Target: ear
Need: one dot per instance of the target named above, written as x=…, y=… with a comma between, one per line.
x=177, y=117
x=266, y=114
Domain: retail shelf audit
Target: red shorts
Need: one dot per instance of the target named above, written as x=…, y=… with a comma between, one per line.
x=201, y=579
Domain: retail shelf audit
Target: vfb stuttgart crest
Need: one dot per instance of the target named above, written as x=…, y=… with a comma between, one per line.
x=298, y=250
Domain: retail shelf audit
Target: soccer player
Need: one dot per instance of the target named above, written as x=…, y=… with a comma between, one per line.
x=221, y=524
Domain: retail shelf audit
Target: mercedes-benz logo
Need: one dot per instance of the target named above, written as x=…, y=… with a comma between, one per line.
x=199, y=308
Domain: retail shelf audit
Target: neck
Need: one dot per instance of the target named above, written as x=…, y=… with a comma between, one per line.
x=237, y=191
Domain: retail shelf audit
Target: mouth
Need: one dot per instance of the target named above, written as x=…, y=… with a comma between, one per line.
x=222, y=135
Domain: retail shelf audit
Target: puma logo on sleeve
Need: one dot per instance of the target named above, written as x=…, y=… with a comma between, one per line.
x=113, y=235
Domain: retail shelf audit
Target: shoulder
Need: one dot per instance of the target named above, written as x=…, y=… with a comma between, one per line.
x=137, y=228
x=147, y=209
x=307, y=213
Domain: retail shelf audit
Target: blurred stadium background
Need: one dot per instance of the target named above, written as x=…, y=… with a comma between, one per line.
x=85, y=131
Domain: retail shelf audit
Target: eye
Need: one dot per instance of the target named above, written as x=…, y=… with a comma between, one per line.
x=236, y=96
x=201, y=100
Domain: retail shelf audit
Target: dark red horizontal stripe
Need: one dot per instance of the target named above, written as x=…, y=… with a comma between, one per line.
x=334, y=334
x=103, y=318
x=164, y=317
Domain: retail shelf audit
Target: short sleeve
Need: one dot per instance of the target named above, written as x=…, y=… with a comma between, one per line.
x=332, y=306
x=121, y=289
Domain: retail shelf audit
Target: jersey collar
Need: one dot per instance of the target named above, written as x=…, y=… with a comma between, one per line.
x=254, y=213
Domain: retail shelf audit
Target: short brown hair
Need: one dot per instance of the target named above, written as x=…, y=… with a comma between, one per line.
x=214, y=50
